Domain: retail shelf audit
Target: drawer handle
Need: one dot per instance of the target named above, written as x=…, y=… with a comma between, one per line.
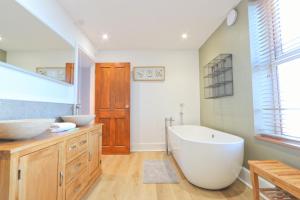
x=77, y=189
x=74, y=146
x=78, y=165
x=83, y=142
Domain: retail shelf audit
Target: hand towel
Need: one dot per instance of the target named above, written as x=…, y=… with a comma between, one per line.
x=60, y=127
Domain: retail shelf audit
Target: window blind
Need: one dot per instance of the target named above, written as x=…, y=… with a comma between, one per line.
x=276, y=66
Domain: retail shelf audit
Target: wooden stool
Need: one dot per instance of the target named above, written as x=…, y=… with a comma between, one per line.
x=281, y=175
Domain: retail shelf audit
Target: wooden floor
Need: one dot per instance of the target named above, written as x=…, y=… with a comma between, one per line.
x=122, y=179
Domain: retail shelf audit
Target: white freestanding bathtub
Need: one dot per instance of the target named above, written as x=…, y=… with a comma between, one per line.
x=208, y=158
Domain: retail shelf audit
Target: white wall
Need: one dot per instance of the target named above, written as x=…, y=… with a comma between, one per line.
x=151, y=102
x=84, y=88
x=18, y=85
x=30, y=60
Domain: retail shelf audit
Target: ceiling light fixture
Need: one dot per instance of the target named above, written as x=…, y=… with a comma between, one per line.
x=184, y=36
x=105, y=36
x=1, y=38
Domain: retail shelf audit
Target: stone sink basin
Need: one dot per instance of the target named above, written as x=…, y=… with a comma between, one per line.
x=79, y=120
x=23, y=129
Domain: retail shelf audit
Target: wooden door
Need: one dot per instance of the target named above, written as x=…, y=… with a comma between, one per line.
x=70, y=73
x=113, y=106
x=93, y=152
x=40, y=174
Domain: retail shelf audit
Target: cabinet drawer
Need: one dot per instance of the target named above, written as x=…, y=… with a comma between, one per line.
x=76, y=186
x=82, y=143
x=76, y=166
x=76, y=146
x=97, y=131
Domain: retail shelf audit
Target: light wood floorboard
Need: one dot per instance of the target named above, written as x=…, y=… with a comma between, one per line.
x=122, y=179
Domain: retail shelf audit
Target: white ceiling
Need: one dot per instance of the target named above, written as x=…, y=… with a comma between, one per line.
x=148, y=24
x=21, y=31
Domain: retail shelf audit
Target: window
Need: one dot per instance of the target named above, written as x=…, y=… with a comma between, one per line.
x=275, y=47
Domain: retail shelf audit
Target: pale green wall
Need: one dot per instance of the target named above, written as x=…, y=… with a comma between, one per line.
x=235, y=114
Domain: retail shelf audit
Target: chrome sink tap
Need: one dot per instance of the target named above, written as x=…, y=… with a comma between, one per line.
x=77, y=107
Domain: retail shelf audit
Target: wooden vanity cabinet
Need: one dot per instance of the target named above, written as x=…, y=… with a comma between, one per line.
x=52, y=166
x=93, y=164
x=40, y=174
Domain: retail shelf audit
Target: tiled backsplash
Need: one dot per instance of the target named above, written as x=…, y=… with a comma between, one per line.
x=15, y=109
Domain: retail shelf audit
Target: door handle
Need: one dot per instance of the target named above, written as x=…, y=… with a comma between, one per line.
x=126, y=106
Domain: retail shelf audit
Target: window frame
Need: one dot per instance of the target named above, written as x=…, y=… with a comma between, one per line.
x=277, y=136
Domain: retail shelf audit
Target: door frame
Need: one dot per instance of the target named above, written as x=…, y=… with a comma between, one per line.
x=77, y=73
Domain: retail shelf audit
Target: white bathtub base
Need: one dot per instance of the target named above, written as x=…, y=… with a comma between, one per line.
x=210, y=162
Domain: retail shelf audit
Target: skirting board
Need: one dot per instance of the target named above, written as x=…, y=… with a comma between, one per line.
x=245, y=178
x=136, y=147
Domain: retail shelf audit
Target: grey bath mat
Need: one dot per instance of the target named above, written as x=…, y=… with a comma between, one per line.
x=159, y=171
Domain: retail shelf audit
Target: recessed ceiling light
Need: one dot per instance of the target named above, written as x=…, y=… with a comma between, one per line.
x=105, y=36
x=1, y=38
x=184, y=36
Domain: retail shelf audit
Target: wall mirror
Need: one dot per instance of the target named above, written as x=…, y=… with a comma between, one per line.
x=27, y=43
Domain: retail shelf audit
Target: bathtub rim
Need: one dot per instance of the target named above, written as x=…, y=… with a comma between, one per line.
x=240, y=139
